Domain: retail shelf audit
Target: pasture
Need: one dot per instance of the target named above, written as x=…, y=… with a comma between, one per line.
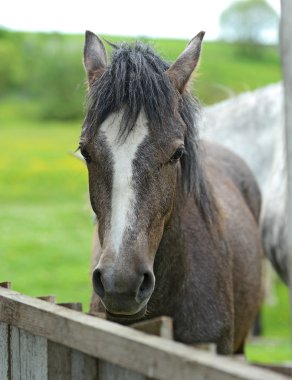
x=45, y=218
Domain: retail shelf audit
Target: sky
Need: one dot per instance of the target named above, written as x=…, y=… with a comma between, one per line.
x=153, y=18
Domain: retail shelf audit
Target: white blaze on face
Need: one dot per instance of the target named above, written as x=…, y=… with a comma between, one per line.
x=123, y=196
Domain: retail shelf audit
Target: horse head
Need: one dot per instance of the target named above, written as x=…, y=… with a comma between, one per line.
x=137, y=138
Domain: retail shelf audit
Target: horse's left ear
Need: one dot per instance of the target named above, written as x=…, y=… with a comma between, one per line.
x=95, y=60
x=181, y=70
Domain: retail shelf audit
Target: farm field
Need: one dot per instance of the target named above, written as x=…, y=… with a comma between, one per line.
x=45, y=218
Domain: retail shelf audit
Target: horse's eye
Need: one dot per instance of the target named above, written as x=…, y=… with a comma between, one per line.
x=86, y=155
x=177, y=155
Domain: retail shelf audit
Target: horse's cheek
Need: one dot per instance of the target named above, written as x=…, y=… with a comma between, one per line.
x=168, y=190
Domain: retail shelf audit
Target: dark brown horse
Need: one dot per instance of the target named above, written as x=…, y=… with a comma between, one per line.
x=177, y=217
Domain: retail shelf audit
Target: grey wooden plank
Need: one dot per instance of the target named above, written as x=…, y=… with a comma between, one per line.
x=50, y=298
x=285, y=369
x=33, y=356
x=146, y=354
x=15, y=353
x=4, y=351
x=161, y=326
x=59, y=361
x=108, y=371
x=6, y=284
x=67, y=364
x=84, y=367
x=72, y=305
x=210, y=347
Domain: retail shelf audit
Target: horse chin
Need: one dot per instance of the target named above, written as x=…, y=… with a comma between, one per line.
x=126, y=319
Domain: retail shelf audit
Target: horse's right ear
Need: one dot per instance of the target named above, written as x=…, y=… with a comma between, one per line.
x=95, y=60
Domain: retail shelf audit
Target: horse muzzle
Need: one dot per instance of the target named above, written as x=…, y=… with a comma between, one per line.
x=123, y=294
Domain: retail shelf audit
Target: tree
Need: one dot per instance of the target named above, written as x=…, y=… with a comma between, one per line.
x=248, y=23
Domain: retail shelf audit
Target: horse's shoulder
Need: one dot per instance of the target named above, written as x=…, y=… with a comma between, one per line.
x=232, y=167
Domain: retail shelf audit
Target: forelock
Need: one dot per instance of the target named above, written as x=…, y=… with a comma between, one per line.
x=134, y=80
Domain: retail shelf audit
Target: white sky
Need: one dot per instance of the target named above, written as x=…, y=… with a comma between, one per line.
x=177, y=19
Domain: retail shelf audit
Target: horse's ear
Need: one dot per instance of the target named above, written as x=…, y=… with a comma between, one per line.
x=95, y=60
x=181, y=70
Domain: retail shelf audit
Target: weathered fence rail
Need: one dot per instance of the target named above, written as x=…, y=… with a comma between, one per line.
x=44, y=341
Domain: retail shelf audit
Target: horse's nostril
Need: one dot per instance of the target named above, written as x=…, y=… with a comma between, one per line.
x=97, y=283
x=146, y=286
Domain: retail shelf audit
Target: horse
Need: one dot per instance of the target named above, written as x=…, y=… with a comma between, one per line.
x=252, y=125
x=177, y=217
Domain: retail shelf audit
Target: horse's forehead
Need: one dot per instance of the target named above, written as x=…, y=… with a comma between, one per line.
x=110, y=129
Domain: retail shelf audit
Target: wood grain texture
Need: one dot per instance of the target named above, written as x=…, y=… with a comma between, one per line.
x=59, y=361
x=33, y=356
x=67, y=364
x=4, y=351
x=50, y=298
x=210, y=347
x=108, y=371
x=145, y=354
x=161, y=326
x=84, y=367
x=72, y=305
x=285, y=369
x=15, y=353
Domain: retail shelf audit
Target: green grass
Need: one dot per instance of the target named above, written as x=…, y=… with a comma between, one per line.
x=45, y=218
x=276, y=344
x=266, y=350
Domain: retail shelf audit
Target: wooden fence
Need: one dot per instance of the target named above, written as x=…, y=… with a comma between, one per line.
x=40, y=340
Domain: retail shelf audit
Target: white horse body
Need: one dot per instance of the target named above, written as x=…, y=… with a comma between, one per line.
x=251, y=125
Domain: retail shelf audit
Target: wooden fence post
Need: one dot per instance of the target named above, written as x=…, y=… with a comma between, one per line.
x=33, y=357
x=68, y=364
x=5, y=373
x=160, y=326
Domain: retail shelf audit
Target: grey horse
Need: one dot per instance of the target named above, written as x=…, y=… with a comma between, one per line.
x=251, y=124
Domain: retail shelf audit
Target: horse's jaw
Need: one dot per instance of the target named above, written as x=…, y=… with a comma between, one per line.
x=126, y=319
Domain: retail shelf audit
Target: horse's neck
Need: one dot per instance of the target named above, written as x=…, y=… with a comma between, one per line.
x=170, y=266
x=174, y=261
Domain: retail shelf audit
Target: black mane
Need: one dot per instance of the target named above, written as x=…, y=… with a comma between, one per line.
x=134, y=80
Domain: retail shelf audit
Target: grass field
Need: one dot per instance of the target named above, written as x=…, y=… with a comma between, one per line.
x=45, y=218
x=45, y=221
